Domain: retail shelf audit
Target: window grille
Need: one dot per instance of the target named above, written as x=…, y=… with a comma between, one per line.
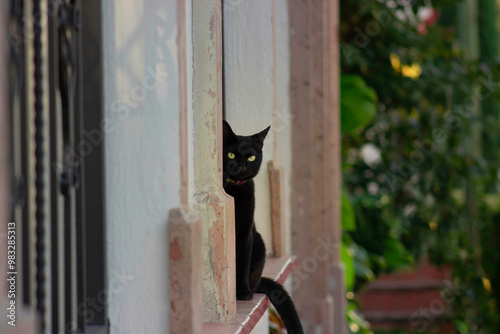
x=57, y=197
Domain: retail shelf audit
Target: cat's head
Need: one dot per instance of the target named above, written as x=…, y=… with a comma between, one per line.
x=242, y=154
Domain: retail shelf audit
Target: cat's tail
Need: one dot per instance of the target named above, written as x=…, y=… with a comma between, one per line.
x=283, y=304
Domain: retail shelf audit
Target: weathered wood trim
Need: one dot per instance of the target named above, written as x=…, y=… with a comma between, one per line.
x=212, y=204
x=218, y=266
x=277, y=187
x=184, y=226
x=183, y=96
x=185, y=272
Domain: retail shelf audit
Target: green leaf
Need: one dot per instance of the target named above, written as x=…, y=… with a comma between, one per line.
x=396, y=254
x=363, y=271
x=357, y=103
x=348, y=220
x=349, y=268
x=361, y=263
x=462, y=327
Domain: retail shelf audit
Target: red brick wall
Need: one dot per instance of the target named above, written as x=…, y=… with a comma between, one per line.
x=409, y=300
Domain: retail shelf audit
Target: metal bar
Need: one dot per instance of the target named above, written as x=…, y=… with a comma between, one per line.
x=29, y=221
x=78, y=183
x=93, y=173
x=40, y=157
x=57, y=200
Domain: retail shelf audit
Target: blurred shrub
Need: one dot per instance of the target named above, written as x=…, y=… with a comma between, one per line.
x=414, y=175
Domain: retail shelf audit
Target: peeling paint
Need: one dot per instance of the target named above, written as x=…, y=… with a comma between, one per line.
x=210, y=202
x=175, y=251
x=212, y=28
x=212, y=93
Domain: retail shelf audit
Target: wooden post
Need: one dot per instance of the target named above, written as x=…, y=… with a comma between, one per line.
x=277, y=188
x=301, y=197
x=316, y=163
x=212, y=204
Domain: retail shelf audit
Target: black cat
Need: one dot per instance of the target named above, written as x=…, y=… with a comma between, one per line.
x=242, y=160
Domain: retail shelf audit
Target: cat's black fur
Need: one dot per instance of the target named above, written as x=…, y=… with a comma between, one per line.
x=250, y=249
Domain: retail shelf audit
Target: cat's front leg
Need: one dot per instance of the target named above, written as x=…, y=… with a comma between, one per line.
x=257, y=261
x=243, y=260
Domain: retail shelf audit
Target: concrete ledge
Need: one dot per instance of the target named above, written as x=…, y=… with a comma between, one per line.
x=249, y=312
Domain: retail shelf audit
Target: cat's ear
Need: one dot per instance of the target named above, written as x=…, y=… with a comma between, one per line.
x=228, y=132
x=259, y=137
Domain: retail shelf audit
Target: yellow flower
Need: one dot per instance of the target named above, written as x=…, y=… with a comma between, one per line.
x=412, y=71
x=487, y=284
x=433, y=226
x=395, y=62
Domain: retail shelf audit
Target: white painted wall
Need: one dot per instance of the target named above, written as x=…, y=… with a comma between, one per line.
x=248, y=57
x=284, y=117
x=142, y=139
x=142, y=158
x=190, y=108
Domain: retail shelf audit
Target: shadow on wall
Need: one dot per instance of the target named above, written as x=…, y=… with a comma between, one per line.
x=141, y=104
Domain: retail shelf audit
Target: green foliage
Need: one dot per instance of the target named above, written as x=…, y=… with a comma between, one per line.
x=348, y=221
x=413, y=170
x=355, y=322
x=358, y=103
x=347, y=259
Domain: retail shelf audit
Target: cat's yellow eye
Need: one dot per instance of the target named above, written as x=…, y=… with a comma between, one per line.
x=231, y=155
x=252, y=158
